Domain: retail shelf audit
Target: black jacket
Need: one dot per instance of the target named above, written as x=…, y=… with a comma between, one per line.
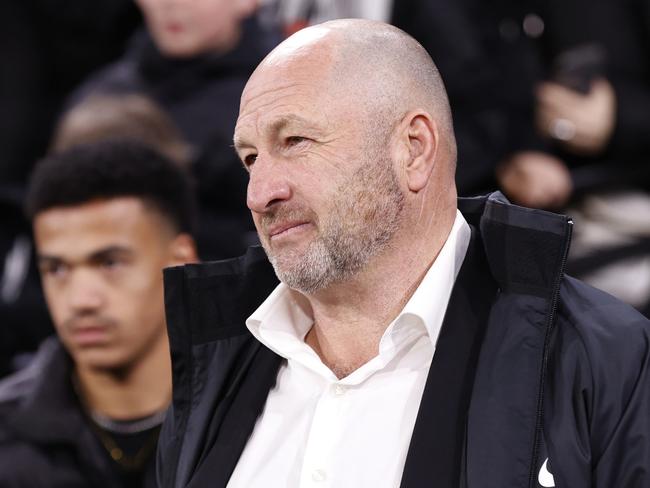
x=45, y=440
x=534, y=364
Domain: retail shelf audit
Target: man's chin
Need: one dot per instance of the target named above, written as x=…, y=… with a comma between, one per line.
x=285, y=257
x=106, y=359
x=307, y=279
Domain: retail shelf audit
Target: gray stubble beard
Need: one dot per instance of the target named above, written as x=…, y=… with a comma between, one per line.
x=363, y=221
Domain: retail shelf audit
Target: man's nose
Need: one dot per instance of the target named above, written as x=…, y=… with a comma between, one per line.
x=85, y=292
x=267, y=185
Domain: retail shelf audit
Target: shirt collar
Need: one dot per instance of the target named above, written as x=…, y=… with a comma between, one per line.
x=428, y=304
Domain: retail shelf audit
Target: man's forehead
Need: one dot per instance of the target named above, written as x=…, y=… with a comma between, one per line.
x=275, y=106
x=273, y=89
x=275, y=124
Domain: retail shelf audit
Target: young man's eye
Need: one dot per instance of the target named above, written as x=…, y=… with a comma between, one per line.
x=53, y=269
x=110, y=263
x=56, y=269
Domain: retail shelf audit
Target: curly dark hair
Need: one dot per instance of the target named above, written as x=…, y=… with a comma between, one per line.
x=110, y=169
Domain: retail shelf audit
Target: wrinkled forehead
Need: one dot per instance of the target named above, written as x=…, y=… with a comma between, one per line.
x=300, y=85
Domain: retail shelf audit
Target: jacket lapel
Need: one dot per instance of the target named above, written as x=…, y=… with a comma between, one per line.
x=435, y=456
x=238, y=414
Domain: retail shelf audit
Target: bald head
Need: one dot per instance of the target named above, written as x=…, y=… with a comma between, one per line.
x=375, y=65
x=346, y=132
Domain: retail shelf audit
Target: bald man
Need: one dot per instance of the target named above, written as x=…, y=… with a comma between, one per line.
x=414, y=339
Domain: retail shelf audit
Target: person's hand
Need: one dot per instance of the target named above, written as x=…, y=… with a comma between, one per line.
x=535, y=179
x=582, y=123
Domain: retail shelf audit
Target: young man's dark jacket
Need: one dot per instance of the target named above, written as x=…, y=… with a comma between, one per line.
x=534, y=365
x=45, y=439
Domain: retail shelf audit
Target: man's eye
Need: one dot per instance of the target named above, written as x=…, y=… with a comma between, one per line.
x=250, y=160
x=293, y=140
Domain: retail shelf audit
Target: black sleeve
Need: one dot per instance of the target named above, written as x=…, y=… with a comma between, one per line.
x=597, y=423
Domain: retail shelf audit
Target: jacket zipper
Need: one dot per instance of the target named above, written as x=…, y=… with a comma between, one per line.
x=547, y=343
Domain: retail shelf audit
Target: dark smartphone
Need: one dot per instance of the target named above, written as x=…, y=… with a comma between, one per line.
x=577, y=67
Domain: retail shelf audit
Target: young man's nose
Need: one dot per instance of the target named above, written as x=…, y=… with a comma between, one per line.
x=85, y=292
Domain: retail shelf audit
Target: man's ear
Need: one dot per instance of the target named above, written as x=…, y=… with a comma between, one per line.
x=183, y=250
x=420, y=137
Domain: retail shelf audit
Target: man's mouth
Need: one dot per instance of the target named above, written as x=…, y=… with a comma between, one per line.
x=89, y=331
x=174, y=27
x=287, y=228
x=89, y=336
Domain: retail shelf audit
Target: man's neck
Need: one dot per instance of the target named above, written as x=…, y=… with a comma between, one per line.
x=350, y=318
x=348, y=328
x=136, y=391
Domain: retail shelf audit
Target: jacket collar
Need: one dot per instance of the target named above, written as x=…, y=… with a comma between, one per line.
x=525, y=246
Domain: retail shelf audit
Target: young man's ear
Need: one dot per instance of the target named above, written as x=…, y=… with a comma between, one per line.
x=183, y=250
x=420, y=138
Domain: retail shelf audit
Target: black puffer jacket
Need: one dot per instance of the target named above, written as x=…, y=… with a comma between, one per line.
x=542, y=374
x=45, y=440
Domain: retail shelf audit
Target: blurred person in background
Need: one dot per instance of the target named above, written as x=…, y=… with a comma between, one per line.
x=588, y=126
x=97, y=118
x=587, y=78
x=86, y=412
x=193, y=60
x=47, y=48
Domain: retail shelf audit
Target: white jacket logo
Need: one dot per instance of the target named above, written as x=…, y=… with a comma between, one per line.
x=545, y=478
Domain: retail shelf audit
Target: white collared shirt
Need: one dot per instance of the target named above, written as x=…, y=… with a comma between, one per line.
x=320, y=431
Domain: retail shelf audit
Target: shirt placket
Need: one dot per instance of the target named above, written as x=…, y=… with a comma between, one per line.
x=324, y=435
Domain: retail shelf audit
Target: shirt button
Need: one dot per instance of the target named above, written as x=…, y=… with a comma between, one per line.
x=338, y=389
x=319, y=475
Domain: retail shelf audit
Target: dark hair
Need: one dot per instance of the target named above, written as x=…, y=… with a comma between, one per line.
x=110, y=169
